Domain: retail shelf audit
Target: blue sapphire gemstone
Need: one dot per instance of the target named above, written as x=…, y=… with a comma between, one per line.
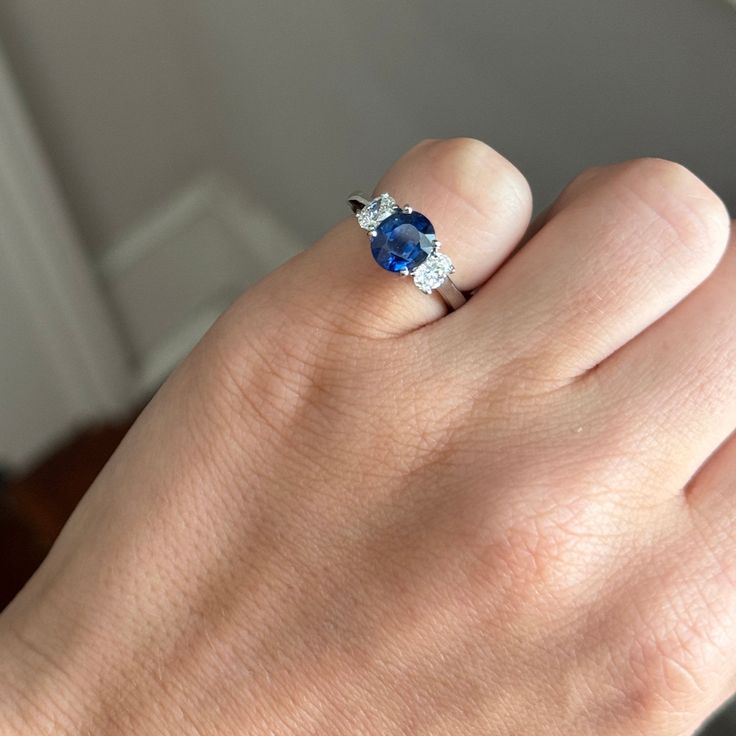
x=403, y=240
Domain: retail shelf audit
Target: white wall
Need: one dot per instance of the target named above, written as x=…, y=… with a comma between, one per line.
x=303, y=101
x=318, y=97
x=116, y=92
x=62, y=362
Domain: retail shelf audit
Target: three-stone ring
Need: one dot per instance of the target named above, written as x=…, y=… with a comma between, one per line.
x=403, y=241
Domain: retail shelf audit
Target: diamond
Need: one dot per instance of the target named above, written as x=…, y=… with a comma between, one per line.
x=403, y=241
x=376, y=211
x=432, y=273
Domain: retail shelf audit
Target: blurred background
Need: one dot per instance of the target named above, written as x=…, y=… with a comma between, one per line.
x=157, y=156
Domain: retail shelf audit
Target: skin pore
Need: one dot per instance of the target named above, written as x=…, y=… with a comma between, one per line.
x=350, y=512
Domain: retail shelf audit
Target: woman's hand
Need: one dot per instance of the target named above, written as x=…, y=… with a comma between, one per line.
x=346, y=513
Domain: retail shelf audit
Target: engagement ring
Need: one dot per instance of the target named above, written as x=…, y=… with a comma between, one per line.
x=403, y=241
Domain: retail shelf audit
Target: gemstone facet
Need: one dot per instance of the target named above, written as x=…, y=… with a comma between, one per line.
x=376, y=211
x=431, y=274
x=403, y=241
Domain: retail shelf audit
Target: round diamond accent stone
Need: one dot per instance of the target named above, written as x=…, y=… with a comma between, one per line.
x=403, y=241
x=432, y=273
x=376, y=211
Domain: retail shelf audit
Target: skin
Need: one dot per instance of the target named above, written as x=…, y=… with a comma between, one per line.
x=347, y=512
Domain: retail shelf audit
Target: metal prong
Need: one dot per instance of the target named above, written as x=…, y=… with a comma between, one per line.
x=437, y=245
x=404, y=271
x=407, y=209
x=358, y=200
x=373, y=233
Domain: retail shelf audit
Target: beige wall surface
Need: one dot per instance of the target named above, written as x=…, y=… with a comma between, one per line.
x=304, y=101
x=117, y=96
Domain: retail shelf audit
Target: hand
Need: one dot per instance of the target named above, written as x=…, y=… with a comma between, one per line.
x=347, y=513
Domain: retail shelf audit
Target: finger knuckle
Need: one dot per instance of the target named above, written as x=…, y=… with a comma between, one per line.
x=466, y=147
x=666, y=668
x=460, y=162
x=539, y=559
x=680, y=203
x=583, y=180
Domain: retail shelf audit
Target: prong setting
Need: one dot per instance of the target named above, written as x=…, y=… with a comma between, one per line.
x=374, y=212
x=433, y=272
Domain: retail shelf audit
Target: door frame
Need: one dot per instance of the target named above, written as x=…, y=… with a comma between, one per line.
x=82, y=355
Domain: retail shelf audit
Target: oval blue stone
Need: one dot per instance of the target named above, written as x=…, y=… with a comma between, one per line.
x=403, y=241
